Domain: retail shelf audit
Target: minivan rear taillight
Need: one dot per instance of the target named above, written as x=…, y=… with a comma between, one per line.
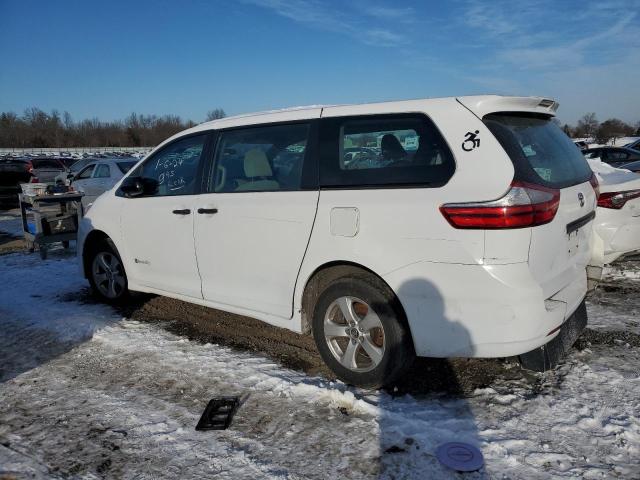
x=617, y=200
x=524, y=205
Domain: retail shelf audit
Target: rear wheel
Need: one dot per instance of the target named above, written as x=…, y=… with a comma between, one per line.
x=361, y=332
x=107, y=276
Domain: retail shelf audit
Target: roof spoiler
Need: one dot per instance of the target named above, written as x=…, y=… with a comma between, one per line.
x=482, y=105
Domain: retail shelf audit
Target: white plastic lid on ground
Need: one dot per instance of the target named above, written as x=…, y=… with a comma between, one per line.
x=613, y=179
x=459, y=456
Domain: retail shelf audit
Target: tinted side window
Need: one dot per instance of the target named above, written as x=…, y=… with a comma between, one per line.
x=46, y=164
x=617, y=155
x=102, y=171
x=175, y=167
x=254, y=159
x=124, y=167
x=384, y=150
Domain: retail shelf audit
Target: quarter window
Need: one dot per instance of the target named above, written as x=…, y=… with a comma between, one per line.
x=260, y=159
x=384, y=150
x=174, y=169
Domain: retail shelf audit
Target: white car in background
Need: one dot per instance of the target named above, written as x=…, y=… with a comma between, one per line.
x=473, y=244
x=617, y=226
x=98, y=176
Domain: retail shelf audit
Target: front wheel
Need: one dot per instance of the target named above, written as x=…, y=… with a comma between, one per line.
x=107, y=276
x=361, y=333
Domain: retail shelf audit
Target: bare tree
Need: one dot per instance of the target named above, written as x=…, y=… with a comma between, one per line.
x=215, y=114
x=611, y=129
x=587, y=125
x=36, y=128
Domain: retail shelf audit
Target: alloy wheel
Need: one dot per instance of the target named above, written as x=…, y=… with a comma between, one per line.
x=354, y=334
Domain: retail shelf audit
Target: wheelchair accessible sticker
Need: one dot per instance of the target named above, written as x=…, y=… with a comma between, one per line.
x=471, y=141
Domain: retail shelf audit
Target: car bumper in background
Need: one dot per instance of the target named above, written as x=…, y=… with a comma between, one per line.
x=619, y=233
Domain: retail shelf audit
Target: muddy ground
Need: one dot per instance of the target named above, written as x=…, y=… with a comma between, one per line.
x=454, y=376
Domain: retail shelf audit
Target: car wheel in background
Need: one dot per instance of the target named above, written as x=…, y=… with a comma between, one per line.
x=361, y=332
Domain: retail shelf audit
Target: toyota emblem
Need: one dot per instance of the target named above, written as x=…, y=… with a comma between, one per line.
x=581, y=199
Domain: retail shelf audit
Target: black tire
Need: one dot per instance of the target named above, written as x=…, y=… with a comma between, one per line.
x=105, y=249
x=398, y=347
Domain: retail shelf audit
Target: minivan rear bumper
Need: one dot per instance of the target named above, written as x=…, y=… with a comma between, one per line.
x=457, y=310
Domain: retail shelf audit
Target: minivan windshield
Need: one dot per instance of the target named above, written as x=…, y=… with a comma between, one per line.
x=540, y=151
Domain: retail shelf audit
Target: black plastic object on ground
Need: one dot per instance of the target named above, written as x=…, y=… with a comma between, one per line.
x=218, y=414
x=547, y=356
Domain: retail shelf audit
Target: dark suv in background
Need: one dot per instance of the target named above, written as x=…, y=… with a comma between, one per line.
x=13, y=172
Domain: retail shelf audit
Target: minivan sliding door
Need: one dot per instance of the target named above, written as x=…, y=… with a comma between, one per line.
x=252, y=225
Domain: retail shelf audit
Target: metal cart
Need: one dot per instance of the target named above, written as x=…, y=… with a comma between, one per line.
x=48, y=219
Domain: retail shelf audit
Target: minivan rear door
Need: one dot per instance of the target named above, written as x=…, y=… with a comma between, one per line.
x=542, y=154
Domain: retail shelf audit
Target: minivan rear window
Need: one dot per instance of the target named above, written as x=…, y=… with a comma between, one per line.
x=540, y=151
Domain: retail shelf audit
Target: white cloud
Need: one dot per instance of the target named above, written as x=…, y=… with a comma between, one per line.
x=347, y=21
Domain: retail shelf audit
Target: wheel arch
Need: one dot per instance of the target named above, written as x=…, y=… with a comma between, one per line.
x=93, y=238
x=326, y=273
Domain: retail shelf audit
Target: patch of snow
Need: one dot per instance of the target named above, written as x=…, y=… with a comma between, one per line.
x=609, y=176
x=11, y=222
x=98, y=395
x=622, y=141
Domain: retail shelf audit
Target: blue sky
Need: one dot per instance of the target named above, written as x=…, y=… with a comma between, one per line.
x=107, y=59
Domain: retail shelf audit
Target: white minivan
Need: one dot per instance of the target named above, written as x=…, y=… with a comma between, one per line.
x=452, y=227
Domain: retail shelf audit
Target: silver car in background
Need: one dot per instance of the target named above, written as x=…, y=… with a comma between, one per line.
x=100, y=175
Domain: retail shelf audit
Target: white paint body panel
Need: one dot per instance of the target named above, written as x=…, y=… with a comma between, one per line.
x=618, y=230
x=465, y=292
x=249, y=253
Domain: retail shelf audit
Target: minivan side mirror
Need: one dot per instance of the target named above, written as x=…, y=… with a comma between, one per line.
x=132, y=187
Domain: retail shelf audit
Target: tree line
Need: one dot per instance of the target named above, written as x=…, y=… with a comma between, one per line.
x=38, y=129
x=589, y=127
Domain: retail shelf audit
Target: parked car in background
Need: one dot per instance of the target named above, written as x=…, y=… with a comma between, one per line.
x=73, y=169
x=633, y=166
x=13, y=172
x=617, y=225
x=67, y=161
x=581, y=144
x=98, y=176
x=614, y=156
x=47, y=169
x=635, y=145
x=473, y=244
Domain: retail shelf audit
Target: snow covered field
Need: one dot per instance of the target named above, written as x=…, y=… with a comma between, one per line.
x=86, y=393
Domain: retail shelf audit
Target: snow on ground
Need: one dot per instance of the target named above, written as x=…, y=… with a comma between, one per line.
x=86, y=393
x=11, y=222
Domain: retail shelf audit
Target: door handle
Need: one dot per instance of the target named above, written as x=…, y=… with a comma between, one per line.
x=184, y=211
x=208, y=211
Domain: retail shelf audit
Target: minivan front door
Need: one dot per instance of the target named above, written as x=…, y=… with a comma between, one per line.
x=252, y=229
x=158, y=226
